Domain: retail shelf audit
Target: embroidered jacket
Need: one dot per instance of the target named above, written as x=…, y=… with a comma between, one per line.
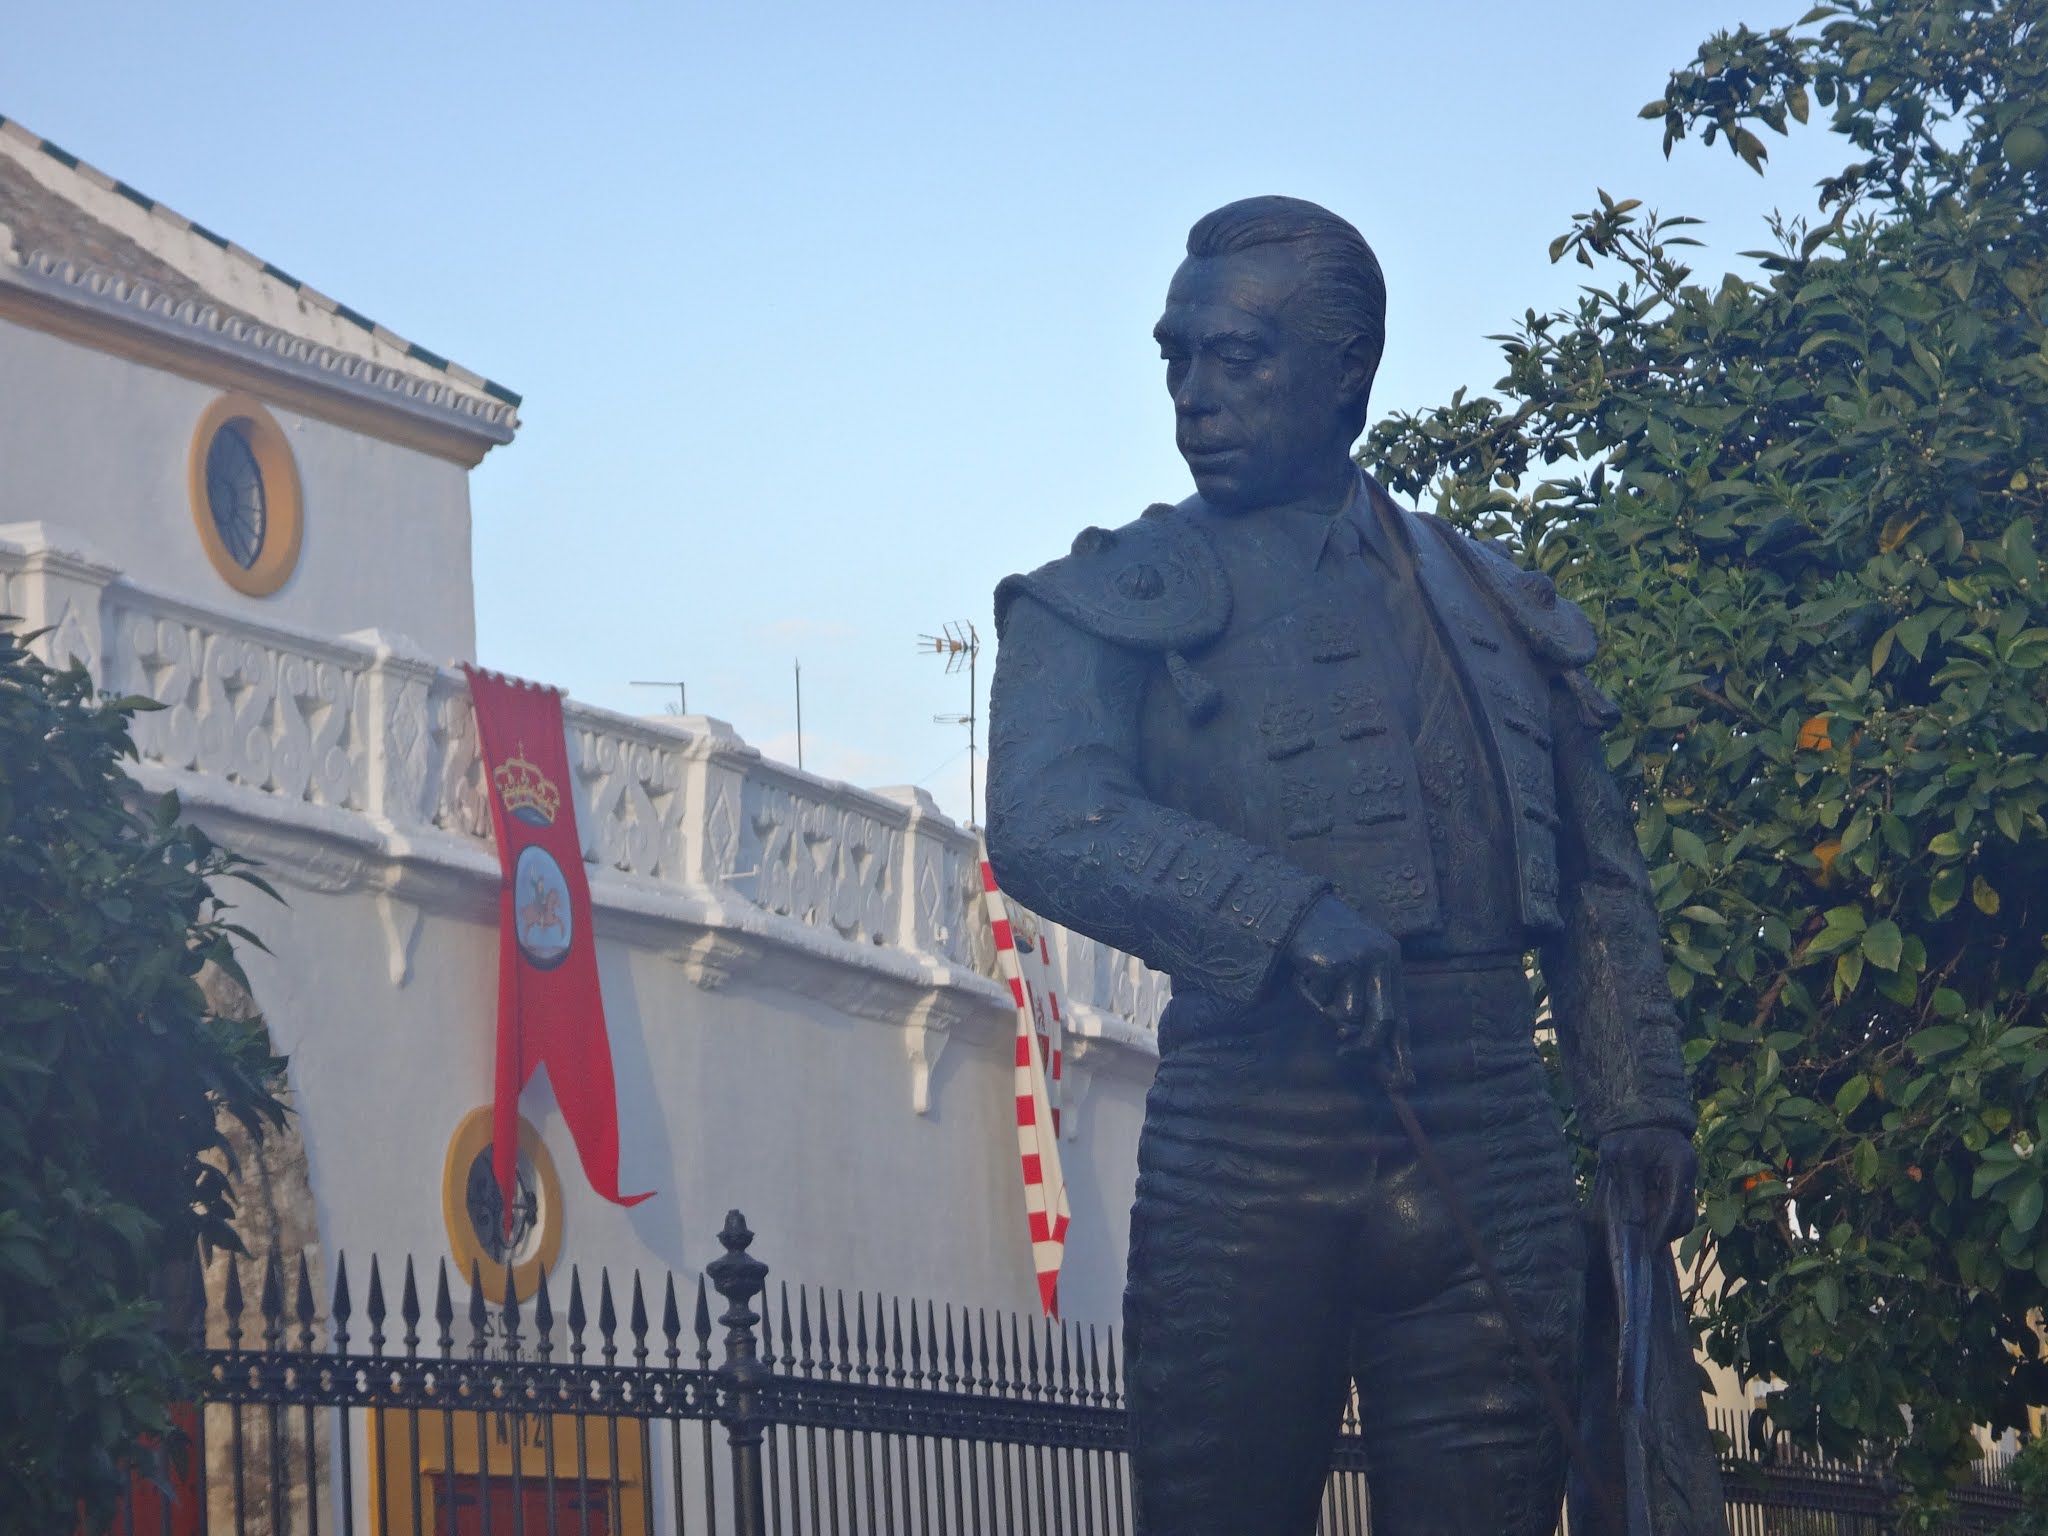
x=1191, y=739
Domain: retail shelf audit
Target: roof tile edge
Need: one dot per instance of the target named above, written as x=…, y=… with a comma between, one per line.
x=305, y=292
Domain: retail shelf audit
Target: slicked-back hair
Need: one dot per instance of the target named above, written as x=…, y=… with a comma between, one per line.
x=1346, y=298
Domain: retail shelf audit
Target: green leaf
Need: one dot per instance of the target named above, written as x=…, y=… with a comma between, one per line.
x=1821, y=339
x=1882, y=944
x=1688, y=847
x=1848, y=972
x=1844, y=926
x=1990, y=1175
x=1851, y=1094
x=1939, y=1041
x=2024, y=1212
x=1944, y=891
x=1984, y=897
x=1827, y=1296
x=1723, y=1212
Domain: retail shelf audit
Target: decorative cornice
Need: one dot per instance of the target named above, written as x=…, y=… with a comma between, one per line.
x=210, y=328
x=305, y=293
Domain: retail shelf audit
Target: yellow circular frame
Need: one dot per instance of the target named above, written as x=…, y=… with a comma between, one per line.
x=471, y=1139
x=283, y=505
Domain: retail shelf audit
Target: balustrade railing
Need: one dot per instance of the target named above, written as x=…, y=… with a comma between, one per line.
x=305, y=729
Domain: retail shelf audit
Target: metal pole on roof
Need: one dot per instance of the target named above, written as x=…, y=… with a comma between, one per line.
x=682, y=694
x=960, y=644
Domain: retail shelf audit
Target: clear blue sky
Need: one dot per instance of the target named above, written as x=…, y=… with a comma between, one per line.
x=829, y=315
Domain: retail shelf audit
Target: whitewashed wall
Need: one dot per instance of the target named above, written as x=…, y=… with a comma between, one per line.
x=794, y=970
x=100, y=445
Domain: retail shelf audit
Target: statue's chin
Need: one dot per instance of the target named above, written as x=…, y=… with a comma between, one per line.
x=1224, y=492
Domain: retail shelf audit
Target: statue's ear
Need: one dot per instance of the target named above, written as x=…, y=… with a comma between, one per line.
x=1356, y=364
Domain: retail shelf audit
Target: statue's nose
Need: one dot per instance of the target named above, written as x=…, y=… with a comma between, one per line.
x=1194, y=397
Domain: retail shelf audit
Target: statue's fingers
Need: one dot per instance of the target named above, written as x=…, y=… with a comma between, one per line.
x=1382, y=1004
x=1355, y=1000
x=1316, y=988
x=1680, y=1206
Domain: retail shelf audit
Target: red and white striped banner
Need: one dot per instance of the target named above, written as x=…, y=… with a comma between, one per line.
x=1039, y=1052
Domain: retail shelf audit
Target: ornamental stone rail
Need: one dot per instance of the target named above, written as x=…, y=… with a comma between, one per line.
x=352, y=762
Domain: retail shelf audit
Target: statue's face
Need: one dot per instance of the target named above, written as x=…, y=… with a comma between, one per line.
x=1259, y=407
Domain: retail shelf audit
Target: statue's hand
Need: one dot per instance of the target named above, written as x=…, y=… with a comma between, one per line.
x=1350, y=970
x=1651, y=1171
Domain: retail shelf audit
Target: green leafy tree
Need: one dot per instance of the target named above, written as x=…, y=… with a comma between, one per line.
x=113, y=1075
x=1802, y=508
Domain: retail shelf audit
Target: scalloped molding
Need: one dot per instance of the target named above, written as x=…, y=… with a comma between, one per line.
x=102, y=309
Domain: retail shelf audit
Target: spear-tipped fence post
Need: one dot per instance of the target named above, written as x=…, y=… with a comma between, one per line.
x=738, y=1277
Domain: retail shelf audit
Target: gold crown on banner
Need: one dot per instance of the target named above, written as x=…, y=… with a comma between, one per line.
x=522, y=787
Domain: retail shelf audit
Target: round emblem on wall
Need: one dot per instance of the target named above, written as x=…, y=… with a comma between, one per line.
x=244, y=488
x=473, y=1207
x=540, y=909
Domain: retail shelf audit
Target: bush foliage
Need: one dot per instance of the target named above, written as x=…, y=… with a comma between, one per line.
x=113, y=1072
x=1803, y=509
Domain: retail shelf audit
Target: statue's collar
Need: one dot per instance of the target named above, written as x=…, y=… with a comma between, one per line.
x=1359, y=525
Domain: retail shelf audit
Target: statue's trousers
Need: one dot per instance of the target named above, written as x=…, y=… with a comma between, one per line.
x=1286, y=1242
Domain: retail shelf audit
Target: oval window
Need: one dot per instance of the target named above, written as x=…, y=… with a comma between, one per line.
x=234, y=493
x=245, y=495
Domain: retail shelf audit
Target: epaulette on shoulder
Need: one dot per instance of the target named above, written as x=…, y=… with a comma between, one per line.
x=1595, y=708
x=1155, y=585
x=1556, y=629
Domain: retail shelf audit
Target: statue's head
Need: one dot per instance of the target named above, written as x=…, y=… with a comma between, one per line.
x=1271, y=336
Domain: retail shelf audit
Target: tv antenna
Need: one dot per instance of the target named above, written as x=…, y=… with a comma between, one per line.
x=960, y=644
x=682, y=694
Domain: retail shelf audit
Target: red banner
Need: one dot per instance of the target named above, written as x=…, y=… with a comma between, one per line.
x=145, y=1512
x=550, y=1008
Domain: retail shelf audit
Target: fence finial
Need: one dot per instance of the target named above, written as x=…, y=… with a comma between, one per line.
x=508, y=1316
x=479, y=1314
x=444, y=1313
x=739, y=1276
x=271, y=1302
x=231, y=1303
x=338, y=1309
x=607, y=1314
x=577, y=1316
x=302, y=1305
x=671, y=1323
x=543, y=1319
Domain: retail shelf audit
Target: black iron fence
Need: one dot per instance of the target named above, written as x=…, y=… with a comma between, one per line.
x=792, y=1412
x=1780, y=1490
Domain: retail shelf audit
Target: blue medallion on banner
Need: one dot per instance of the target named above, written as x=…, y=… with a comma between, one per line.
x=543, y=916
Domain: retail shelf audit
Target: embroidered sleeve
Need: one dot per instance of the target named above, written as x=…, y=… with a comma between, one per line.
x=1072, y=835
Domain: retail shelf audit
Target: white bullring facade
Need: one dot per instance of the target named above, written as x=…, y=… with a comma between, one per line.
x=797, y=976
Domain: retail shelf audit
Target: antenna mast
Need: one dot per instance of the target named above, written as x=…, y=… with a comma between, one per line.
x=960, y=644
x=682, y=693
